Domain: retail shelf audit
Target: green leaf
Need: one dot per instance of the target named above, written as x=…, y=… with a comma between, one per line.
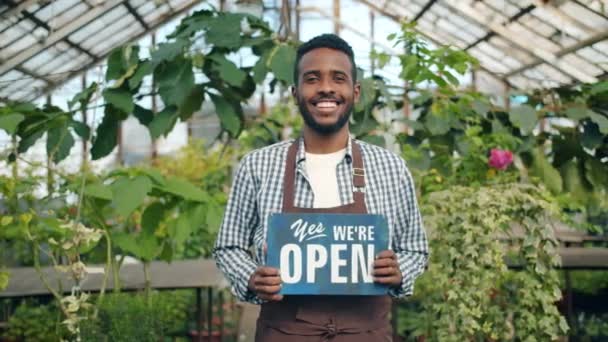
x=596, y=173
x=143, y=69
x=577, y=113
x=59, y=142
x=83, y=97
x=175, y=81
x=155, y=176
x=128, y=194
x=143, y=115
x=481, y=108
x=81, y=129
x=9, y=122
x=600, y=120
x=574, y=182
x=368, y=92
x=228, y=71
x=120, y=98
x=163, y=122
x=29, y=140
x=591, y=137
x=225, y=30
x=282, y=62
x=142, y=246
x=377, y=140
x=115, y=67
x=107, y=135
x=599, y=88
x=259, y=69
x=436, y=124
x=230, y=117
x=98, y=190
x=215, y=213
x=180, y=230
x=542, y=169
x=168, y=51
x=192, y=103
x=152, y=217
x=185, y=189
x=524, y=117
x=127, y=243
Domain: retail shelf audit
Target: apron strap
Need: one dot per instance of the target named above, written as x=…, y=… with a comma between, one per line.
x=290, y=172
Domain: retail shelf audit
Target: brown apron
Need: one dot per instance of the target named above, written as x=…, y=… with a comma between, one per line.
x=325, y=318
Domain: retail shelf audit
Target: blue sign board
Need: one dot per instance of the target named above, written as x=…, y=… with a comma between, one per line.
x=326, y=254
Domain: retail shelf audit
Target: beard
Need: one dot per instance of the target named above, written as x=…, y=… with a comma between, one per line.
x=322, y=129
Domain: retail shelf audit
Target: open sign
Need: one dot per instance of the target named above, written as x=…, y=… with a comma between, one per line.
x=327, y=254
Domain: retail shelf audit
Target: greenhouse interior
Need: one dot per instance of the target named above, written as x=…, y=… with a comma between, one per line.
x=126, y=125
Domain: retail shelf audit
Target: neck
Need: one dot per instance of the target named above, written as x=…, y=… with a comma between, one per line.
x=320, y=144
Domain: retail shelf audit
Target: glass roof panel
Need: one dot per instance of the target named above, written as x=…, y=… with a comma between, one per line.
x=146, y=8
x=508, y=8
x=53, y=10
x=582, y=64
x=591, y=54
x=10, y=77
x=509, y=49
x=156, y=14
x=18, y=45
x=114, y=40
x=551, y=73
x=67, y=16
x=584, y=15
x=101, y=35
x=98, y=24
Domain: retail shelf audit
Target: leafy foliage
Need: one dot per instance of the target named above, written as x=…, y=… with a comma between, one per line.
x=468, y=294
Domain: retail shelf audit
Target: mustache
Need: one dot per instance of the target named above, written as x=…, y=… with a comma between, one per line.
x=326, y=98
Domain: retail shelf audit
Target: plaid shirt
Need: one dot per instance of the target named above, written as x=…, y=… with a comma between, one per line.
x=257, y=192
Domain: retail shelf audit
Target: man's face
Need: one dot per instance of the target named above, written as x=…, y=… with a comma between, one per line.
x=325, y=91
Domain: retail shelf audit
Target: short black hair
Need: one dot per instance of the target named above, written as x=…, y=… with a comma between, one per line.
x=330, y=41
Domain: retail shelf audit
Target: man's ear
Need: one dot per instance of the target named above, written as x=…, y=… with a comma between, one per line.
x=357, y=91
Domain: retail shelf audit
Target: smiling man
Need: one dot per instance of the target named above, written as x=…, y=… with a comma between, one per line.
x=324, y=171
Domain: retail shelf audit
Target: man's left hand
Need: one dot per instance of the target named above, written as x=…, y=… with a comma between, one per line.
x=386, y=269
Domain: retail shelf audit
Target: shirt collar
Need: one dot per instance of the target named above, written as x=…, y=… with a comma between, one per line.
x=301, y=156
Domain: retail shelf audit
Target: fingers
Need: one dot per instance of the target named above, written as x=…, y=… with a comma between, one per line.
x=266, y=283
x=267, y=271
x=386, y=269
x=386, y=254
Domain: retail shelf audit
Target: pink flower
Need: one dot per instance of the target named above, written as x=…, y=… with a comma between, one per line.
x=500, y=159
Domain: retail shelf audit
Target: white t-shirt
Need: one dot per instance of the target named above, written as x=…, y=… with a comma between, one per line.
x=321, y=171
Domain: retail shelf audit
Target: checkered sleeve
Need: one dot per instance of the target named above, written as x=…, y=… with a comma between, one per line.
x=409, y=238
x=233, y=242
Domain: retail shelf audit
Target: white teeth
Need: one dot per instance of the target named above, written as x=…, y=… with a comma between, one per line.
x=326, y=104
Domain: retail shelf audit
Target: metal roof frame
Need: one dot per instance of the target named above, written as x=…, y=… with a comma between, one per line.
x=513, y=25
x=540, y=42
x=56, y=37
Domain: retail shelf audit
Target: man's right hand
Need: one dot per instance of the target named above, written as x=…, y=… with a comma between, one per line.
x=265, y=282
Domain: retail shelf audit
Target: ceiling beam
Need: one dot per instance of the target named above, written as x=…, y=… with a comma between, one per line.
x=491, y=34
x=583, y=43
x=513, y=37
x=152, y=27
x=134, y=13
x=16, y=9
x=58, y=35
x=40, y=23
x=342, y=23
x=426, y=7
x=591, y=9
x=398, y=19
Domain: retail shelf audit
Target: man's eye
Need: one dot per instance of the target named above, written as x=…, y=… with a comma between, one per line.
x=340, y=78
x=311, y=79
